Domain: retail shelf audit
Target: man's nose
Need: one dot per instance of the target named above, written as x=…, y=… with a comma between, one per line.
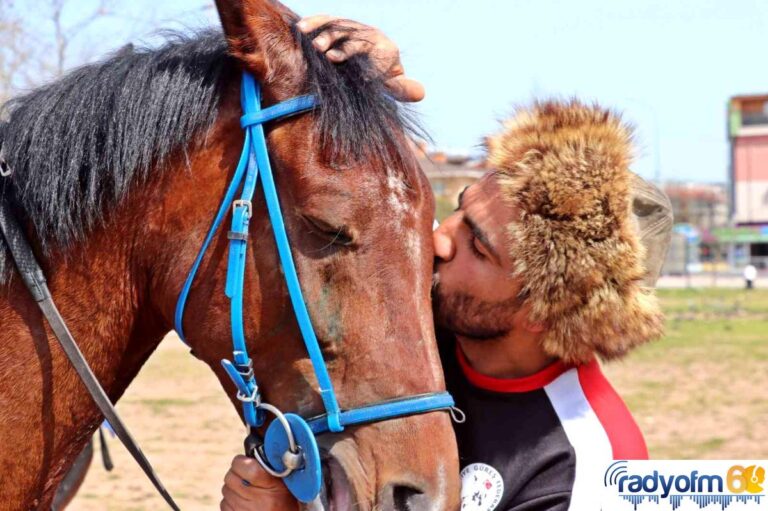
x=445, y=248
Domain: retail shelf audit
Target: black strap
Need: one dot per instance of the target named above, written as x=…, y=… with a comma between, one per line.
x=106, y=459
x=34, y=280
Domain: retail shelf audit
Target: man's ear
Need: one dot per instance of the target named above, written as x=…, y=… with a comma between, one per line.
x=259, y=35
x=534, y=328
x=527, y=324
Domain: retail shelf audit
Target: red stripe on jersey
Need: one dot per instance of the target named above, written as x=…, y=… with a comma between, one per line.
x=525, y=384
x=625, y=436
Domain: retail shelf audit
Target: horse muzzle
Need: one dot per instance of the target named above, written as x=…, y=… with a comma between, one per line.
x=345, y=491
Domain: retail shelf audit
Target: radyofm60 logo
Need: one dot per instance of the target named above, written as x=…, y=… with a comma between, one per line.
x=641, y=485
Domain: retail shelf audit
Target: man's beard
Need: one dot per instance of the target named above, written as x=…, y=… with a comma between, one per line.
x=470, y=317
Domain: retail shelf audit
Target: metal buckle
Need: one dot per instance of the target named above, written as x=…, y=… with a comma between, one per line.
x=239, y=236
x=246, y=371
x=458, y=415
x=240, y=203
x=254, y=398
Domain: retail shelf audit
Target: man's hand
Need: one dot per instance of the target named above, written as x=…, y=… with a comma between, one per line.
x=341, y=39
x=248, y=488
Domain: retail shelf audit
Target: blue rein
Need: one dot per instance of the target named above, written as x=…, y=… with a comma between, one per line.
x=289, y=449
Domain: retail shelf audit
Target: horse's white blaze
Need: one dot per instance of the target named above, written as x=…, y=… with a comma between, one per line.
x=400, y=211
x=442, y=485
x=397, y=199
x=403, y=214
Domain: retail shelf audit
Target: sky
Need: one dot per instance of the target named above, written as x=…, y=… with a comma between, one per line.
x=668, y=65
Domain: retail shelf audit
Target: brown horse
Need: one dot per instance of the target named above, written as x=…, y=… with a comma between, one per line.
x=118, y=171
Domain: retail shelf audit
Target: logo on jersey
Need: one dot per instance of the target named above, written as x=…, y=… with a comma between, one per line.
x=481, y=487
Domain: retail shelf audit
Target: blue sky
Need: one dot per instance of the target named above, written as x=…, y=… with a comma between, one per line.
x=669, y=65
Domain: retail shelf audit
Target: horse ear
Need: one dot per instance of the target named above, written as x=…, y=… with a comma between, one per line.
x=259, y=34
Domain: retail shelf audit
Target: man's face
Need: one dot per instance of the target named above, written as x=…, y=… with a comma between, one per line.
x=475, y=295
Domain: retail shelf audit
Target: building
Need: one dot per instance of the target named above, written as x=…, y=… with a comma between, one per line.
x=748, y=134
x=699, y=204
x=449, y=175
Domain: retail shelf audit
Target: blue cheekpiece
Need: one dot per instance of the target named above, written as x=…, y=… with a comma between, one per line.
x=289, y=446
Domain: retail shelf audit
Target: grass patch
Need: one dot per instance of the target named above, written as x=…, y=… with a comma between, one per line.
x=164, y=406
x=724, y=302
x=700, y=391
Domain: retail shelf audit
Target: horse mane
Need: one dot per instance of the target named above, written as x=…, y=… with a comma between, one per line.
x=79, y=145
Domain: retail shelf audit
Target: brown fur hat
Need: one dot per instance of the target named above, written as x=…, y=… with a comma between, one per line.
x=565, y=166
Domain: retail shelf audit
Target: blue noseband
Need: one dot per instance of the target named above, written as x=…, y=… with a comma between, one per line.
x=289, y=448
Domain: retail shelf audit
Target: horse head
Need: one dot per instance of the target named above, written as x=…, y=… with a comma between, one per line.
x=118, y=169
x=358, y=211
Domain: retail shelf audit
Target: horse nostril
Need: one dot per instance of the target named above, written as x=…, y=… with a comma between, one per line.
x=407, y=498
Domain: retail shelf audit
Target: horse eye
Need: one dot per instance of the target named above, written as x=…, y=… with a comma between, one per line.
x=335, y=235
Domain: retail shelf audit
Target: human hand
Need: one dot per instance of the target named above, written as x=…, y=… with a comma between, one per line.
x=340, y=39
x=247, y=487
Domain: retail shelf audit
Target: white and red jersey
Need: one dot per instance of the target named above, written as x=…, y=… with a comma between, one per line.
x=538, y=443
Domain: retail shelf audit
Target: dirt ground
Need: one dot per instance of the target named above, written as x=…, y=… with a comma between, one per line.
x=185, y=425
x=698, y=394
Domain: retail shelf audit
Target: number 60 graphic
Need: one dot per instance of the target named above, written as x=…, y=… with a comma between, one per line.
x=745, y=479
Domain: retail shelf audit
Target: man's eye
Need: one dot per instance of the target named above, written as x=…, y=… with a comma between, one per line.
x=473, y=246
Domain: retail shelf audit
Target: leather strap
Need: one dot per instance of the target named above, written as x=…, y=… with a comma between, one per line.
x=34, y=279
x=106, y=458
x=251, y=93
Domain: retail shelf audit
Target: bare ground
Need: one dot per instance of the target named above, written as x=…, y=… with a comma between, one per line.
x=186, y=426
x=698, y=394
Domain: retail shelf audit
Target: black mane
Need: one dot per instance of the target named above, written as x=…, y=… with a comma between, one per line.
x=79, y=145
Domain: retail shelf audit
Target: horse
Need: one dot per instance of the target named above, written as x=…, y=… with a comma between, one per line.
x=117, y=170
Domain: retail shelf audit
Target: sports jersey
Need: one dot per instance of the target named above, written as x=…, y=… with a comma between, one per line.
x=541, y=442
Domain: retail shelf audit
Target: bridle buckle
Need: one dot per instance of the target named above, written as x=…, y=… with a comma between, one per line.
x=241, y=203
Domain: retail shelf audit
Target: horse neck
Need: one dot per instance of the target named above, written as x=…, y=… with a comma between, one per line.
x=115, y=290
x=99, y=287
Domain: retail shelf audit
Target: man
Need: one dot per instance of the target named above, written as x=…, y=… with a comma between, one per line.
x=539, y=271
x=750, y=275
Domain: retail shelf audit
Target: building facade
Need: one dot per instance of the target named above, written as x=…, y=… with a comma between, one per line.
x=748, y=134
x=449, y=175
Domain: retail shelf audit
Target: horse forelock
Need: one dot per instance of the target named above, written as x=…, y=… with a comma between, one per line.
x=358, y=120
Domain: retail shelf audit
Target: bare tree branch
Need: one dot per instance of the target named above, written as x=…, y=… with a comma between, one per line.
x=65, y=35
x=14, y=53
x=41, y=39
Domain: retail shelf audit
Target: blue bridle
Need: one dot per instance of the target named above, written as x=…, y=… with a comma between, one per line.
x=289, y=449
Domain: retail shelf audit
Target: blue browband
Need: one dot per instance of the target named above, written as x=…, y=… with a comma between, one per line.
x=289, y=448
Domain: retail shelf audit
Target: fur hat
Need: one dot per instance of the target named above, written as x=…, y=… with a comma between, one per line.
x=565, y=166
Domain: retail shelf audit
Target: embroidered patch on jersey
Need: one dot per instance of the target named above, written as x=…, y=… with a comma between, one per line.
x=481, y=487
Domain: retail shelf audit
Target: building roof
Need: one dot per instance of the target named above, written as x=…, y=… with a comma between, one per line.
x=451, y=170
x=749, y=97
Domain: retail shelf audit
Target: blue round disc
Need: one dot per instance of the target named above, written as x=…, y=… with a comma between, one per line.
x=304, y=483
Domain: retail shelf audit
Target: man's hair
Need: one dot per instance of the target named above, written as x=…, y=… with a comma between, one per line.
x=565, y=166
